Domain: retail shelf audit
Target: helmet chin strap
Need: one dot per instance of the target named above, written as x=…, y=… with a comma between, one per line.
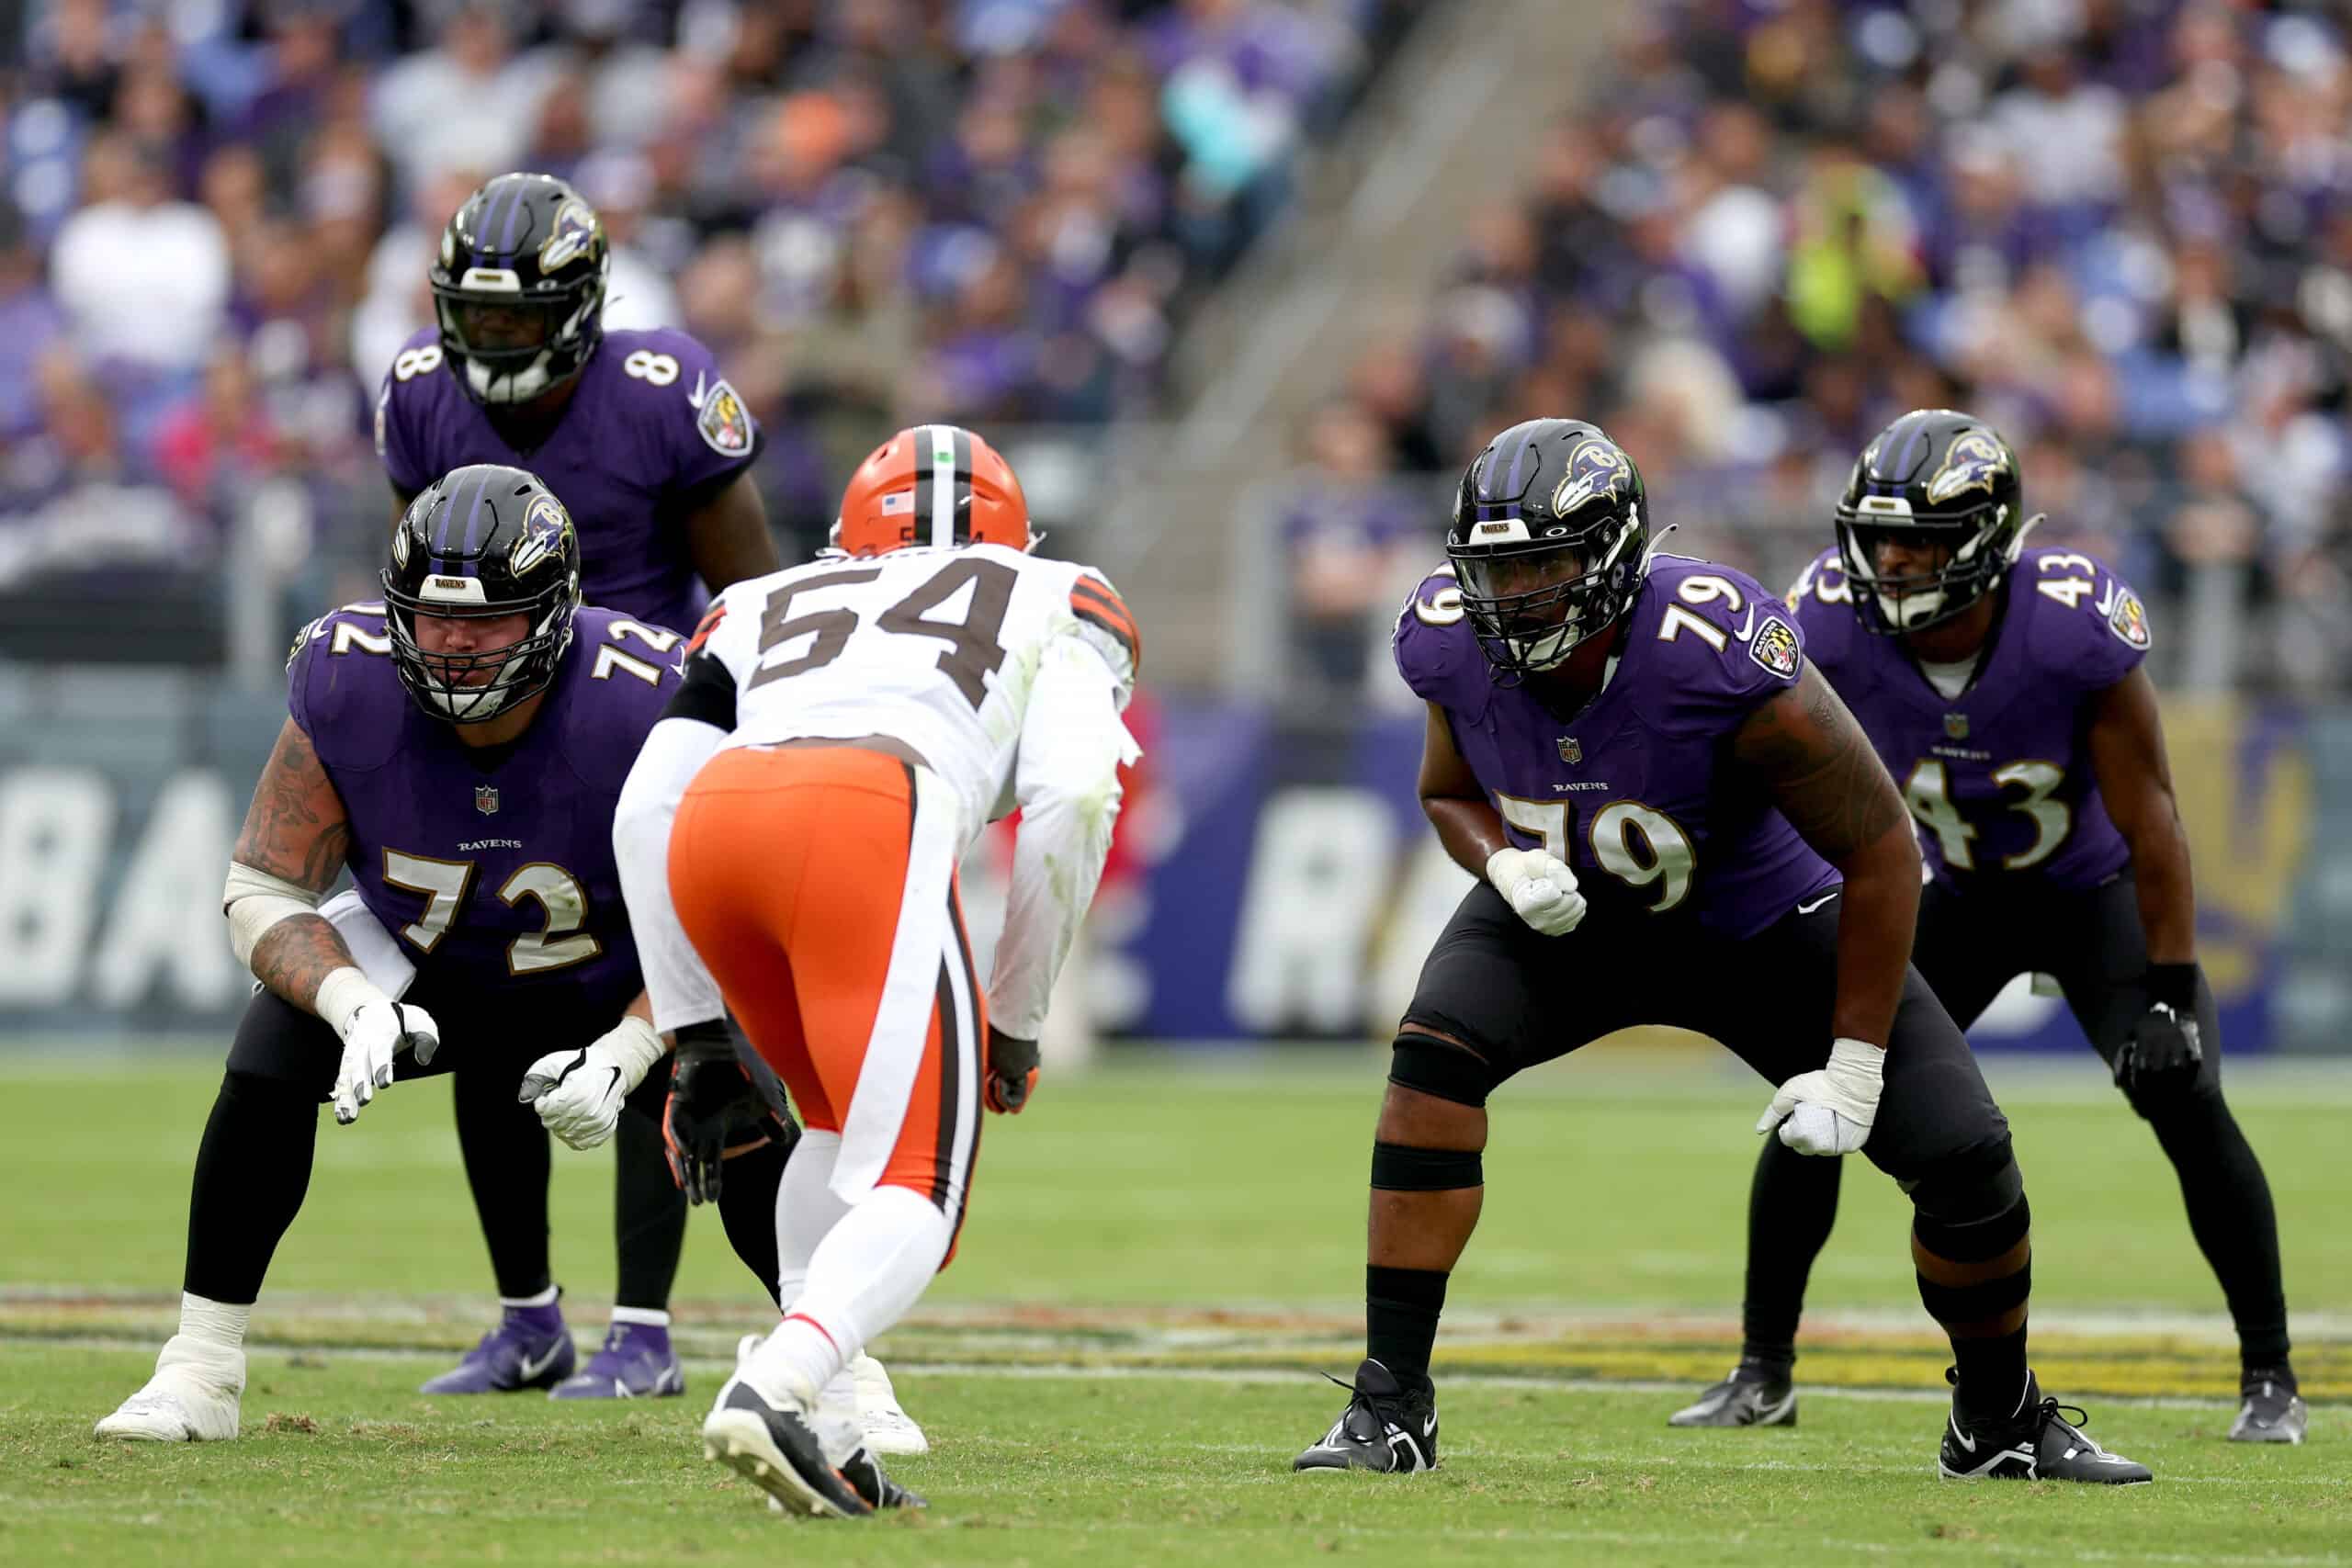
x=511, y=386
x=1923, y=606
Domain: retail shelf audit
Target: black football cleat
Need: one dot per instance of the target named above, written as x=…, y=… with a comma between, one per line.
x=1385, y=1427
x=871, y=1482
x=2271, y=1411
x=2036, y=1443
x=772, y=1447
x=1752, y=1397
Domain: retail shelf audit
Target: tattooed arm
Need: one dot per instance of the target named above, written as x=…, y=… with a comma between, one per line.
x=1806, y=750
x=295, y=833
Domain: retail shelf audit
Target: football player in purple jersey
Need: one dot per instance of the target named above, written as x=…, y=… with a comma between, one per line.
x=1673, y=820
x=651, y=451
x=646, y=442
x=459, y=747
x=2003, y=687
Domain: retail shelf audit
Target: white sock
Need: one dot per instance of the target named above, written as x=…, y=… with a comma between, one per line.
x=543, y=1298
x=867, y=1272
x=215, y=1323
x=837, y=1426
x=806, y=1210
x=648, y=1317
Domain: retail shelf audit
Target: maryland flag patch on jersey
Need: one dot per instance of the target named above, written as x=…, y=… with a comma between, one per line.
x=1098, y=603
x=2129, y=619
x=725, y=423
x=1774, y=646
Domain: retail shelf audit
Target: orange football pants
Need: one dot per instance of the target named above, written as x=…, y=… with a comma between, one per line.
x=819, y=884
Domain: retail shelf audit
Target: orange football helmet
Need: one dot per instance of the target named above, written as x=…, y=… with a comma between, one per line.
x=932, y=485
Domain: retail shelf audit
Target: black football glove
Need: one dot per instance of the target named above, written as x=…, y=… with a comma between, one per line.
x=710, y=1093
x=2164, y=1049
x=1012, y=1072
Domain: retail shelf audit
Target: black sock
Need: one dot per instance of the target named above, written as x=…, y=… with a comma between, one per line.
x=1791, y=1204
x=747, y=1186
x=252, y=1172
x=2230, y=1215
x=1992, y=1374
x=649, y=1216
x=507, y=1164
x=1401, y=1310
x=1976, y=1277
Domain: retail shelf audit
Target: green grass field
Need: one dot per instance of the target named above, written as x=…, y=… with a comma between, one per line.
x=1121, y=1363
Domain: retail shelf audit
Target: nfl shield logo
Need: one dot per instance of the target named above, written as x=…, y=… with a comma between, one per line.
x=1570, y=752
x=1955, y=727
x=486, y=799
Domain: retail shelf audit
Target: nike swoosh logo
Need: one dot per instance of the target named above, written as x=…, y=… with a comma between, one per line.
x=1817, y=903
x=694, y=397
x=1429, y=1428
x=532, y=1369
x=616, y=1077
x=1966, y=1442
x=1749, y=625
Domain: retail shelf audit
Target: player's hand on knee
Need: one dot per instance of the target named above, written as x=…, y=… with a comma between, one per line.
x=1540, y=888
x=2164, y=1052
x=579, y=1094
x=376, y=1031
x=1829, y=1110
x=1012, y=1072
x=710, y=1096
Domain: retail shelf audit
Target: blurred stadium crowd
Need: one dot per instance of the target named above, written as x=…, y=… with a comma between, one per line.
x=220, y=214
x=2120, y=228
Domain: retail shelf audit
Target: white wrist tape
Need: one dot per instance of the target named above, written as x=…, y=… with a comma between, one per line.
x=254, y=901
x=344, y=992
x=634, y=1047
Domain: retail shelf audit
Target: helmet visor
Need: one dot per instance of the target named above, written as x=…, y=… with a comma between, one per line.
x=1916, y=574
x=1532, y=609
x=499, y=330
x=472, y=663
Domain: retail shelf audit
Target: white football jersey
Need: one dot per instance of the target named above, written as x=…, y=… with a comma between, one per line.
x=935, y=648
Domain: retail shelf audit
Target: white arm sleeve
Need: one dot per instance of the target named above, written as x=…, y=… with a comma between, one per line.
x=1066, y=781
x=681, y=988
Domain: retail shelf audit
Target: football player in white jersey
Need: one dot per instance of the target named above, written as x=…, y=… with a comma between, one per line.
x=787, y=843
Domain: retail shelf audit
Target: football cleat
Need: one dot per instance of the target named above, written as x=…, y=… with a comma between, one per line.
x=192, y=1398
x=1752, y=1397
x=870, y=1481
x=636, y=1362
x=888, y=1430
x=2273, y=1412
x=2036, y=1443
x=1385, y=1427
x=529, y=1348
x=775, y=1446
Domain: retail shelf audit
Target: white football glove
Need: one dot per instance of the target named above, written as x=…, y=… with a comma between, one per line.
x=1539, y=887
x=373, y=1033
x=1829, y=1112
x=578, y=1094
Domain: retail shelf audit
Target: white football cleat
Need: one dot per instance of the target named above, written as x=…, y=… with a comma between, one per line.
x=192, y=1398
x=888, y=1430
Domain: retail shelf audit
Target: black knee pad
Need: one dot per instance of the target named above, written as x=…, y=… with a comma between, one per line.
x=1439, y=1069
x=2173, y=1097
x=1398, y=1168
x=1973, y=1206
x=1985, y=1302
